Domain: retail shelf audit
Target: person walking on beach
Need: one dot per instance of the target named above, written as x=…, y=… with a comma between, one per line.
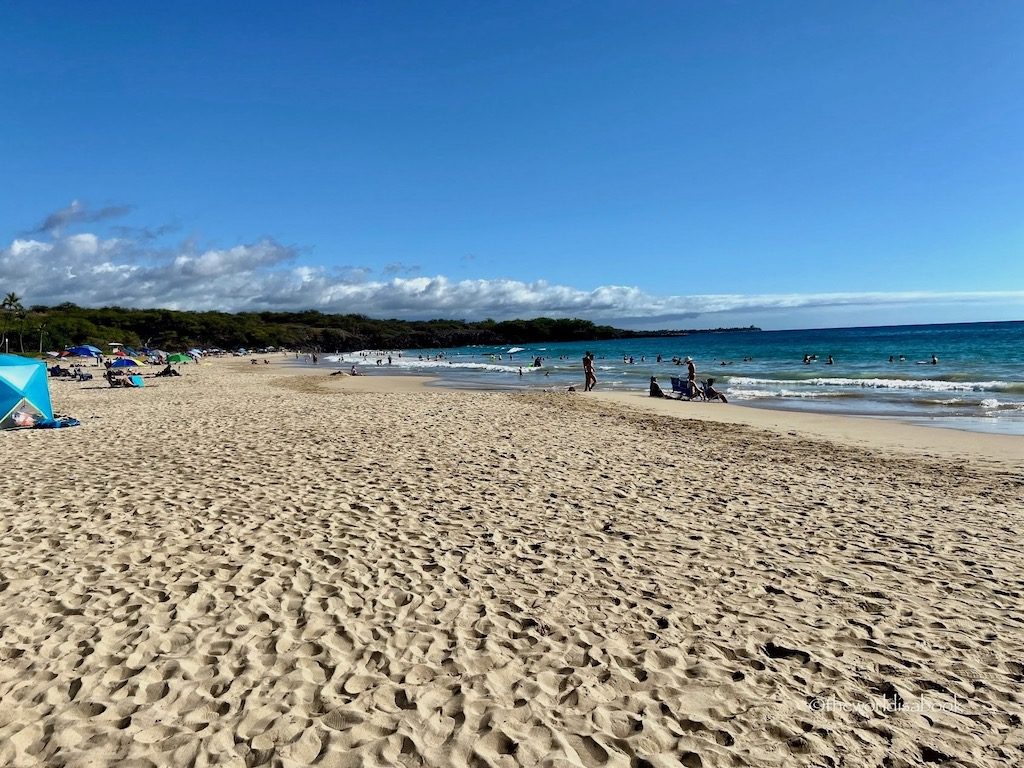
x=588, y=372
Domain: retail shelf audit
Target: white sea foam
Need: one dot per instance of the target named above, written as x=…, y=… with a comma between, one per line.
x=755, y=394
x=433, y=364
x=408, y=364
x=926, y=385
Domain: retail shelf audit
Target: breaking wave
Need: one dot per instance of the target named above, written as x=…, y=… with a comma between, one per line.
x=925, y=385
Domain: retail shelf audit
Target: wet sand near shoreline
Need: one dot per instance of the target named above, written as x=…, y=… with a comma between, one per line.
x=868, y=432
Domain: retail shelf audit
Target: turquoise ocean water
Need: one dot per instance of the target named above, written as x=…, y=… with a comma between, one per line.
x=978, y=383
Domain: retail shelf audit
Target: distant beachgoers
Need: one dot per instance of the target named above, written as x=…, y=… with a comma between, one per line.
x=969, y=376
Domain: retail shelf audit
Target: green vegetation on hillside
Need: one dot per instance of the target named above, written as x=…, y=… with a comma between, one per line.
x=46, y=328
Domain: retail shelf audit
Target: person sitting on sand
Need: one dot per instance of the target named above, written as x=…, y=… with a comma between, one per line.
x=168, y=371
x=656, y=390
x=354, y=372
x=710, y=393
x=117, y=377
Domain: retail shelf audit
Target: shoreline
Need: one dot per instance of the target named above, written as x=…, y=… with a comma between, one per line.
x=1005, y=426
x=860, y=431
x=863, y=430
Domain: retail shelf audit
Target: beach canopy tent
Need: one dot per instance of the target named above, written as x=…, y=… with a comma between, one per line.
x=83, y=350
x=24, y=393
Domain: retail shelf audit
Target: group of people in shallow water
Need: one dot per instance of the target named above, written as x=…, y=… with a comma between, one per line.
x=808, y=359
x=903, y=359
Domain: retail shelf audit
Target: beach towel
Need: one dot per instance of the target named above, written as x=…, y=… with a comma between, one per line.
x=59, y=423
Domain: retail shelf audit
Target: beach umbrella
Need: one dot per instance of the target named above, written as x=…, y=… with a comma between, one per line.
x=125, y=362
x=180, y=357
x=83, y=350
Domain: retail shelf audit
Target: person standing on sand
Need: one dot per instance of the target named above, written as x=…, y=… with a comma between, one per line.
x=691, y=378
x=588, y=372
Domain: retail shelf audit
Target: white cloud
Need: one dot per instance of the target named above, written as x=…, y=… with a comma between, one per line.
x=89, y=270
x=26, y=247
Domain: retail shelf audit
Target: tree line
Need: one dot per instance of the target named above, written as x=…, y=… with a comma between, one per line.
x=41, y=328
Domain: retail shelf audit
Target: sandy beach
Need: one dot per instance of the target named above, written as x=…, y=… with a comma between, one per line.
x=261, y=565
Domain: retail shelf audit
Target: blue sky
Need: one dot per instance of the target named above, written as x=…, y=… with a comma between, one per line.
x=638, y=163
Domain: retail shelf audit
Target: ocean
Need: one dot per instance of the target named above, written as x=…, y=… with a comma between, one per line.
x=977, y=383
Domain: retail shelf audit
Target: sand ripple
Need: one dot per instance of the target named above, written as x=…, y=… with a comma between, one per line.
x=214, y=571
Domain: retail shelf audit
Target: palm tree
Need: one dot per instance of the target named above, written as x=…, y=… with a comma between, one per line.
x=22, y=316
x=10, y=305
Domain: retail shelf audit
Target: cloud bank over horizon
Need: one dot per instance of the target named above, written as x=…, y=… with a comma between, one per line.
x=49, y=265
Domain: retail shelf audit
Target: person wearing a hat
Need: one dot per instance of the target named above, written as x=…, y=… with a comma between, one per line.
x=691, y=378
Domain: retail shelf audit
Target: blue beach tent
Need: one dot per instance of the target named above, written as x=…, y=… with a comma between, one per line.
x=84, y=350
x=24, y=393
